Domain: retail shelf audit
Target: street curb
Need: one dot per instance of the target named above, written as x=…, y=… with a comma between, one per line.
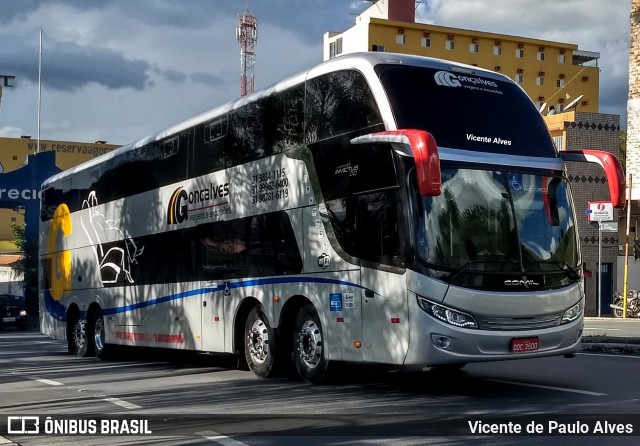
x=617, y=348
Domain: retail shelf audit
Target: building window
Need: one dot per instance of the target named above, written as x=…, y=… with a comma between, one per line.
x=560, y=83
x=335, y=48
x=401, y=39
x=540, y=55
x=474, y=48
x=561, y=58
x=558, y=140
x=519, y=78
x=519, y=52
x=377, y=47
x=497, y=50
x=540, y=80
x=13, y=219
x=450, y=45
x=426, y=42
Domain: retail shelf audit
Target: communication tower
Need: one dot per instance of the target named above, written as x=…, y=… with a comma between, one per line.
x=247, y=35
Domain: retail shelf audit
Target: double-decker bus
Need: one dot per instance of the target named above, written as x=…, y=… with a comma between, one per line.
x=376, y=208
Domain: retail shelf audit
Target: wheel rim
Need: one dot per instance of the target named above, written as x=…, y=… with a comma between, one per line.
x=310, y=344
x=99, y=334
x=258, y=342
x=79, y=334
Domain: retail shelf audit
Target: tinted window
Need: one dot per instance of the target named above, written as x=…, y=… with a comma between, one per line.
x=338, y=103
x=265, y=127
x=366, y=227
x=465, y=111
x=256, y=246
x=209, y=154
x=345, y=169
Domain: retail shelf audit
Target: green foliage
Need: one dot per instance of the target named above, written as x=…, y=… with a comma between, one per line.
x=27, y=266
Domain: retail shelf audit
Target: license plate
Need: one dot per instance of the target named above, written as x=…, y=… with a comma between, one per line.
x=8, y=319
x=524, y=344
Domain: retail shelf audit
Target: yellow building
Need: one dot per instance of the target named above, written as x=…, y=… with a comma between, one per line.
x=13, y=155
x=554, y=74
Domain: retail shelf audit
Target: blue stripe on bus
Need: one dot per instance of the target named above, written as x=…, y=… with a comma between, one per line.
x=59, y=311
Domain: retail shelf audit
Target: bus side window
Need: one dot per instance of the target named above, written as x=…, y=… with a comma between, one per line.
x=248, y=247
x=337, y=103
x=366, y=227
x=209, y=155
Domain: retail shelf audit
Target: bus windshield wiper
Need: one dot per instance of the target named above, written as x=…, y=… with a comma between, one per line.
x=564, y=267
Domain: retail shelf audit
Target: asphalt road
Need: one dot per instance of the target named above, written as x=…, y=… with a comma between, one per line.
x=203, y=401
x=627, y=329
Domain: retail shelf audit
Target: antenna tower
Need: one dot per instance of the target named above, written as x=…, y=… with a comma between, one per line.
x=247, y=35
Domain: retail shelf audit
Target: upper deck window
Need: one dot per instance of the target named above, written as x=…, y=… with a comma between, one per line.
x=466, y=111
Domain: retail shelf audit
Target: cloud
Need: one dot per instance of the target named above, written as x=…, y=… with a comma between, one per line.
x=209, y=79
x=69, y=67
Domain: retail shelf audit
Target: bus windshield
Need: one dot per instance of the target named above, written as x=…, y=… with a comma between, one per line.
x=490, y=227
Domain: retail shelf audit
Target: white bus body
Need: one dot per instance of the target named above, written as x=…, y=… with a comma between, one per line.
x=320, y=218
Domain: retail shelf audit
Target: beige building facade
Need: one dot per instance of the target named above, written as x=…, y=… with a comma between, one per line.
x=13, y=156
x=557, y=76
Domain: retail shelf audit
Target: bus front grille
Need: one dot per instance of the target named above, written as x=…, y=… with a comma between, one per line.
x=519, y=323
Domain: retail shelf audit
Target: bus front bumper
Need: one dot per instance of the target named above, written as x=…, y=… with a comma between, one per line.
x=434, y=342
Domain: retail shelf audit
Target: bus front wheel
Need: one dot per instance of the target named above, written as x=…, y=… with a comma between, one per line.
x=309, y=347
x=259, y=346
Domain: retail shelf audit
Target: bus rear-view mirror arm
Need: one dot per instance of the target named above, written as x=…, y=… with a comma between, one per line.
x=419, y=145
x=612, y=169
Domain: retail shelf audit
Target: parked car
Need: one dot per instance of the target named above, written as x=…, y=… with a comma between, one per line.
x=13, y=312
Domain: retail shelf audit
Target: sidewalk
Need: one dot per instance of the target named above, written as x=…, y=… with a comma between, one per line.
x=611, y=335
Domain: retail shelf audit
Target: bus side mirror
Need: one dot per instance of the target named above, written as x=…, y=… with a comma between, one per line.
x=612, y=170
x=419, y=145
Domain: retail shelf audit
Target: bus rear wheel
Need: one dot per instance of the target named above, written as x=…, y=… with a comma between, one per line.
x=80, y=342
x=309, y=348
x=259, y=346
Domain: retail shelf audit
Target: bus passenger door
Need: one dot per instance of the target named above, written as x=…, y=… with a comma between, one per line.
x=385, y=317
x=384, y=296
x=213, y=316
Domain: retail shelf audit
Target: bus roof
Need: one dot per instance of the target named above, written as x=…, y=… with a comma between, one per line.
x=348, y=61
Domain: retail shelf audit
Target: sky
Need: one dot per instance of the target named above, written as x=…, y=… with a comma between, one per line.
x=119, y=70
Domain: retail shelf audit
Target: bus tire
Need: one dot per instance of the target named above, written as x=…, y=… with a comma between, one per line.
x=260, y=343
x=308, y=346
x=80, y=339
x=102, y=350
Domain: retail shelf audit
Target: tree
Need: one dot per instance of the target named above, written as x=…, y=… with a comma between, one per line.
x=27, y=266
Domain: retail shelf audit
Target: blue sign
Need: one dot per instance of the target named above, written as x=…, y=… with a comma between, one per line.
x=20, y=188
x=335, y=302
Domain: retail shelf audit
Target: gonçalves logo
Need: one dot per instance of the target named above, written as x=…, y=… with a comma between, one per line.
x=448, y=79
x=177, y=211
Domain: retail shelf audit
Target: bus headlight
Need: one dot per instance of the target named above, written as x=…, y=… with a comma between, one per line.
x=446, y=314
x=572, y=313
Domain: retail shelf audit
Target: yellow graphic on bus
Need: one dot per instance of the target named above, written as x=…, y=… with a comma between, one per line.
x=60, y=271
